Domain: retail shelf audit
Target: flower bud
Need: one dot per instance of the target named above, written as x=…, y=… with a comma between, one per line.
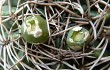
x=77, y=38
x=34, y=29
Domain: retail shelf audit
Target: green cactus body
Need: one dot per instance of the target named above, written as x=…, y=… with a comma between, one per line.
x=97, y=53
x=13, y=2
x=77, y=37
x=5, y=10
x=34, y=29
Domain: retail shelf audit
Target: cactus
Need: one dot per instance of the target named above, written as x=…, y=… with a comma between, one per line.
x=54, y=35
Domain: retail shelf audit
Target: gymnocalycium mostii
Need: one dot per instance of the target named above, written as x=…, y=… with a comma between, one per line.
x=77, y=38
x=34, y=29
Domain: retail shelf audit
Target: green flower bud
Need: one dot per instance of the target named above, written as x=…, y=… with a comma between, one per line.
x=34, y=29
x=77, y=38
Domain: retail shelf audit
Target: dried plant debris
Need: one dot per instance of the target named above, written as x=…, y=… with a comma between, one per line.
x=54, y=35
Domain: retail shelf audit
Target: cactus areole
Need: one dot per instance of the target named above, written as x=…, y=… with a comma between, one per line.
x=77, y=38
x=34, y=29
